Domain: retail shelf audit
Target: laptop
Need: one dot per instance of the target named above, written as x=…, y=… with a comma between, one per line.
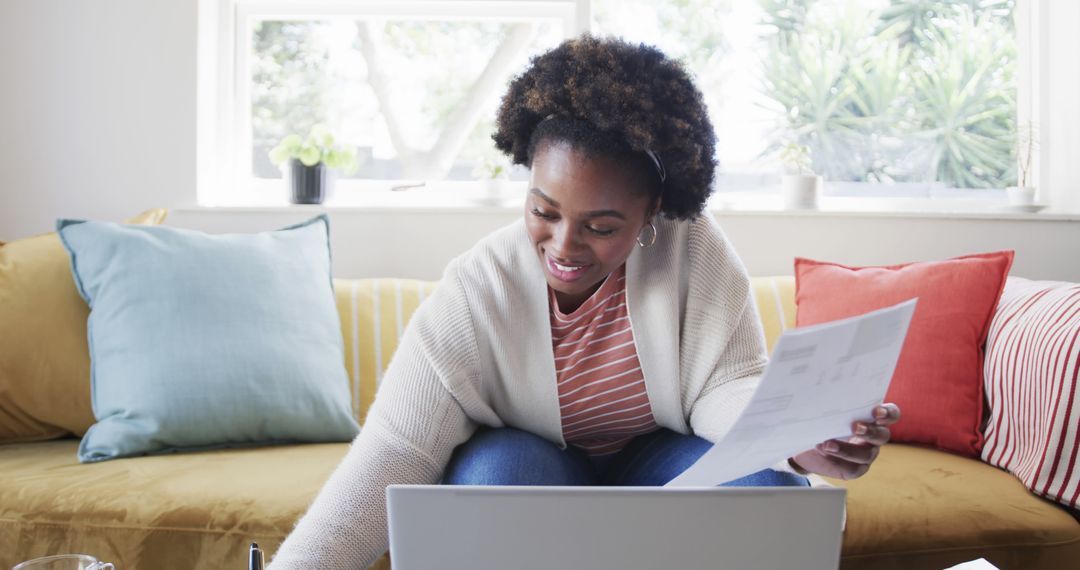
x=616, y=528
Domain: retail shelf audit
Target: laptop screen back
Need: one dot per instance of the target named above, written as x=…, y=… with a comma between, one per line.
x=617, y=528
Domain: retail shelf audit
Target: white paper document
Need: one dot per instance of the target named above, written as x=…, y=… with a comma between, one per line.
x=980, y=564
x=819, y=381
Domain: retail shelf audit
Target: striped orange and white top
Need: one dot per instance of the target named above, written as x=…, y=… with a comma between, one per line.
x=602, y=394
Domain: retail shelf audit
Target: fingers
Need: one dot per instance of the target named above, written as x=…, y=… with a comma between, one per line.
x=867, y=433
x=886, y=414
x=831, y=465
x=859, y=454
x=851, y=458
x=848, y=470
x=876, y=433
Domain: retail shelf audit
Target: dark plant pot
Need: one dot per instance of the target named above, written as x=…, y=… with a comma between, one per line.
x=309, y=183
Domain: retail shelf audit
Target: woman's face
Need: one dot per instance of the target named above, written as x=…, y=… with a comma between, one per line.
x=583, y=216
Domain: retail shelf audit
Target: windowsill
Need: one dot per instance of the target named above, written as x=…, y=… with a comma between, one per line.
x=899, y=208
x=443, y=201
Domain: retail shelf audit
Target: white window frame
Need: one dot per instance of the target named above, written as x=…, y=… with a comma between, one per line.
x=224, y=139
x=1046, y=91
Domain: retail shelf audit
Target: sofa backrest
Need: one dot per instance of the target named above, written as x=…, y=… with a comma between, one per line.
x=775, y=298
x=374, y=313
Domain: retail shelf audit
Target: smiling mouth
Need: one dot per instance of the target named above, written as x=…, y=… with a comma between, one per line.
x=562, y=267
x=566, y=272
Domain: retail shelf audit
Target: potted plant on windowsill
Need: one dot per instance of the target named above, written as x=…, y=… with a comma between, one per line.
x=308, y=160
x=494, y=172
x=800, y=187
x=1022, y=196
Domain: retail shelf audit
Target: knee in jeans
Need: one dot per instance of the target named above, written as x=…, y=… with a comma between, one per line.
x=506, y=436
x=487, y=457
x=505, y=456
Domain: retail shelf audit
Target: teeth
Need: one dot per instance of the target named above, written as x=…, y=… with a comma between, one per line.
x=566, y=268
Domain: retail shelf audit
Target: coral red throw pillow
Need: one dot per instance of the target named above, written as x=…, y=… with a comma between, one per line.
x=938, y=382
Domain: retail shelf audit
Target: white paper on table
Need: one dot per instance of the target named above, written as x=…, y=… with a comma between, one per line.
x=819, y=380
x=980, y=564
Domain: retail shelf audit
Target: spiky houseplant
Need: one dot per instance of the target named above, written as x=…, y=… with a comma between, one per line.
x=917, y=91
x=1027, y=144
x=800, y=188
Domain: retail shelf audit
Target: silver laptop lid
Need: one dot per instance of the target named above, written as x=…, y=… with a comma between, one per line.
x=617, y=528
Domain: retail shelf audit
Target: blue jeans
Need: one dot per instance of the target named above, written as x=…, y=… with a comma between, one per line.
x=507, y=456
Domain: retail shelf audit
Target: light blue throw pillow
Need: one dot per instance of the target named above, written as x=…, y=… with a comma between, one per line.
x=202, y=341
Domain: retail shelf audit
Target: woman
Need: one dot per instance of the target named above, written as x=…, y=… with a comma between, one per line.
x=607, y=338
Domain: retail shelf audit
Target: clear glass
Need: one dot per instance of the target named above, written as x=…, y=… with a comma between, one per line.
x=417, y=98
x=918, y=97
x=64, y=562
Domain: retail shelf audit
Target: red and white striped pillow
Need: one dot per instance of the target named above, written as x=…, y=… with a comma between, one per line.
x=1032, y=376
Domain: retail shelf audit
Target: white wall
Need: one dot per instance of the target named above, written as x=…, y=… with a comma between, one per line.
x=97, y=107
x=97, y=103
x=418, y=244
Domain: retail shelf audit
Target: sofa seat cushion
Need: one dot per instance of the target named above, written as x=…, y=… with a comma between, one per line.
x=922, y=508
x=196, y=510
x=917, y=508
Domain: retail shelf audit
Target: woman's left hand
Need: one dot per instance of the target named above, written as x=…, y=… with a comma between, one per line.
x=851, y=458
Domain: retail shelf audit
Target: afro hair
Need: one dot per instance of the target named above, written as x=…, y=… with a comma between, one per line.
x=611, y=98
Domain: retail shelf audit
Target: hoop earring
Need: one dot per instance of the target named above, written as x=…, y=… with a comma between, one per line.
x=652, y=240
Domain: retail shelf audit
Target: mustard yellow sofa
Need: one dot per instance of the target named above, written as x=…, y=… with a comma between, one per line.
x=917, y=508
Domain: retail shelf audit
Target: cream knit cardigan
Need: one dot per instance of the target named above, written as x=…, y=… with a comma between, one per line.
x=479, y=351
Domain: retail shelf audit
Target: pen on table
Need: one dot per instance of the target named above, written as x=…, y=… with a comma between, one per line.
x=255, y=560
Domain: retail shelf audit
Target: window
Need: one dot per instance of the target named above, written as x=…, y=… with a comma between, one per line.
x=894, y=98
x=412, y=85
x=416, y=97
x=889, y=98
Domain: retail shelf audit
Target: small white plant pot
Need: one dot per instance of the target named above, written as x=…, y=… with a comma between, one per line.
x=800, y=191
x=1020, y=195
x=496, y=191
